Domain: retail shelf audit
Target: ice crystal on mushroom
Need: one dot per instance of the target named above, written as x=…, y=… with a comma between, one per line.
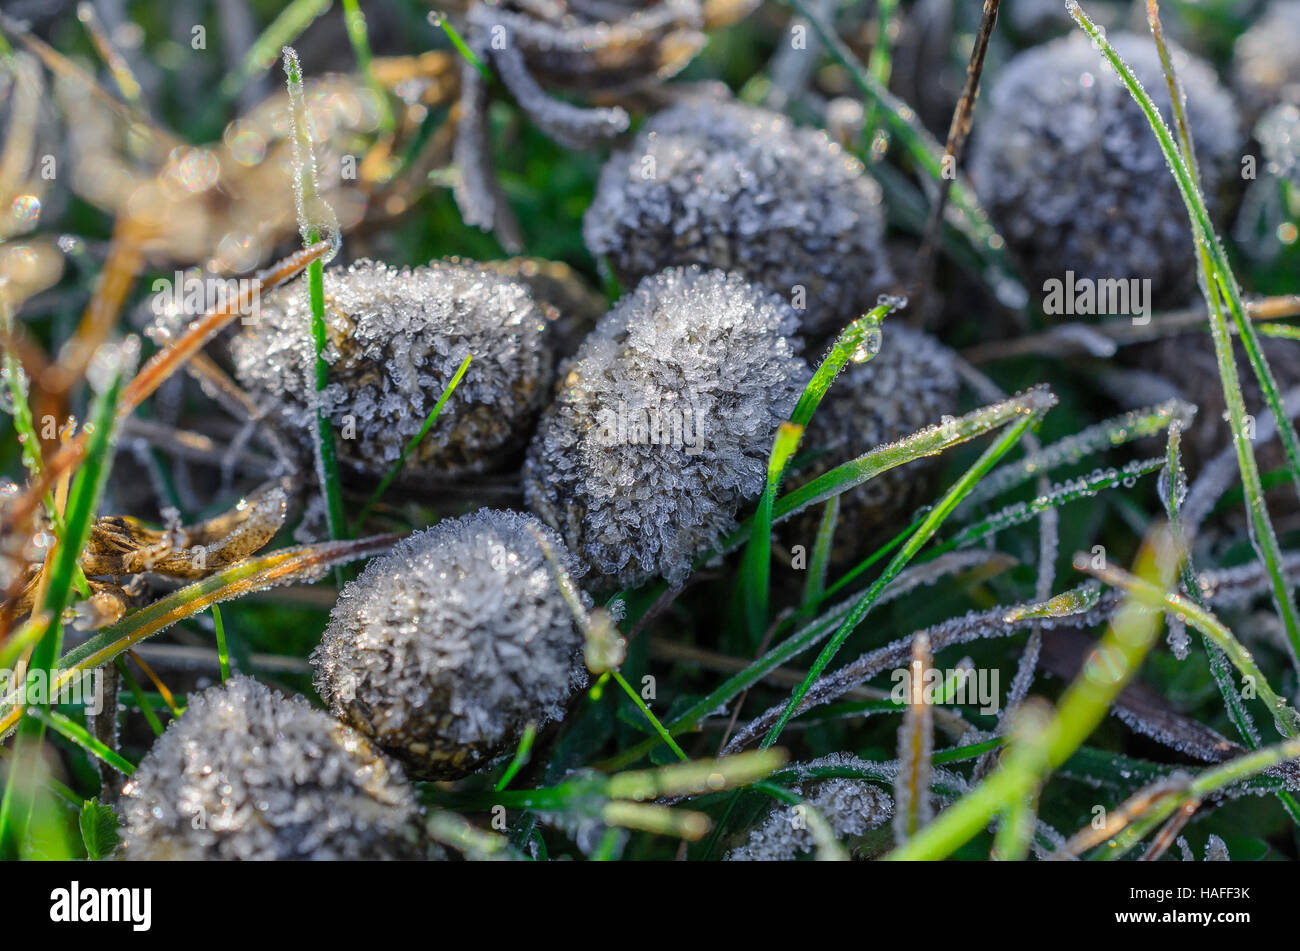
x=731, y=186
x=249, y=774
x=851, y=807
x=445, y=648
x=663, y=423
x=1066, y=163
x=396, y=337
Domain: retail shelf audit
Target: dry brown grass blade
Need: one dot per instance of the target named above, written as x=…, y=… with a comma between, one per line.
x=302, y=563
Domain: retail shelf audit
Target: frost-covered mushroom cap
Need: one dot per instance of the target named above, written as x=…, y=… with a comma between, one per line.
x=249, y=774
x=663, y=421
x=1073, y=175
x=445, y=648
x=1266, y=61
x=396, y=338
x=1278, y=133
x=735, y=187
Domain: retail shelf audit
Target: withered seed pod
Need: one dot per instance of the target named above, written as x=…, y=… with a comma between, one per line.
x=663, y=421
x=730, y=186
x=249, y=774
x=396, y=338
x=445, y=648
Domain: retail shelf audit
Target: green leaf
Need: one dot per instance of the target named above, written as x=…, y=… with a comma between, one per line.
x=98, y=825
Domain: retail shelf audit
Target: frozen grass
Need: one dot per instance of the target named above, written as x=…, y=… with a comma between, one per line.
x=709, y=666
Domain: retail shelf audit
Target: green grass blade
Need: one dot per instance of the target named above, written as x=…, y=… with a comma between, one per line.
x=914, y=544
x=415, y=440
x=1221, y=287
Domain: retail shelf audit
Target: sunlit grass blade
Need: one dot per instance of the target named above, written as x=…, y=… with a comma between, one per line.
x=310, y=211
x=1084, y=705
x=261, y=56
x=441, y=21
x=912, y=807
x=918, y=539
x=223, y=651
x=1220, y=286
x=83, y=502
x=74, y=732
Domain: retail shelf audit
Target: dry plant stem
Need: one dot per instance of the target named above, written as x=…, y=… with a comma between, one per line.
x=958, y=132
x=161, y=366
x=1049, y=343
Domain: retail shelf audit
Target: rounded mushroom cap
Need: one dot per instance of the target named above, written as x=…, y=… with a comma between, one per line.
x=396, y=338
x=1072, y=174
x=729, y=186
x=1266, y=61
x=663, y=422
x=247, y=773
x=446, y=647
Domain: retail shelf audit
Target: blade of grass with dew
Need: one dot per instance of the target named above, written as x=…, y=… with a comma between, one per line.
x=918, y=539
x=1017, y=411
x=1220, y=286
x=1284, y=331
x=74, y=732
x=1108, y=434
x=309, y=207
x=354, y=20
x=1081, y=709
x=441, y=21
x=83, y=501
x=928, y=154
x=415, y=440
x=521, y=756
x=261, y=56
x=1213, y=261
x=223, y=651
x=1203, y=786
x=924, y=442
x=1084, y=487
x=860, y=341
x=1173, y=487
x=1285, y=717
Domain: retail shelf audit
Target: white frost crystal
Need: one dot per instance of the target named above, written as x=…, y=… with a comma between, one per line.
x=445, y=648
x=851, y=807
x=246, y=773
x=1071, y=172
x=735, y=187
x=396, y=338
x=663, y=423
